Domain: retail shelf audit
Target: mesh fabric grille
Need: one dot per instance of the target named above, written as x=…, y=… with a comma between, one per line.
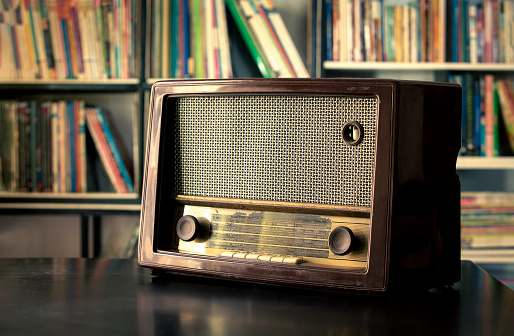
x=275, y=148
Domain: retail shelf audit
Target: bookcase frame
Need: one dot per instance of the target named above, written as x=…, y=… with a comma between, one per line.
x=94, y=205
x=89, y=207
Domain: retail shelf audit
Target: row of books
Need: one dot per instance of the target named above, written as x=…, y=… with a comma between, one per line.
x=487, y=115
x=60, y=39
x=487, y=220
x=482, y=31
x=189, y=39
x=481, y=121
x=420, y=31
x=44, y=147
x=267, y=38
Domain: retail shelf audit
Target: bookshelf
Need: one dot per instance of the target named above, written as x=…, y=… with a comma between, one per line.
x=86, y=51
x=456, y=46
x=77, y=64
x=123, y=91
x=129, y=98
x=121, y=101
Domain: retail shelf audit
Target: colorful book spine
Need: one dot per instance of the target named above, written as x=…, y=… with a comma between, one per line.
x=197, y=35
x=58, y=45
x=103, y=150
x=329, y=30
x=180, y=71
x=483, y=135
x=208, y=40
x=8, y=147
x=489, y=115
x=81, y=147
x=78, y=41
x=187, y=38
x=278, y=37
x=71, y=147
x=299, y=68
x=113, y=146
x=249, y=38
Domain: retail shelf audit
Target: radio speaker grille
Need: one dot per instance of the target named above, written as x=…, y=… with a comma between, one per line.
x=275, y=148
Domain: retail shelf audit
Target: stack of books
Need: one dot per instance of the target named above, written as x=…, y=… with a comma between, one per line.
x=43, y=147
x=487, y=220
x=60, y=39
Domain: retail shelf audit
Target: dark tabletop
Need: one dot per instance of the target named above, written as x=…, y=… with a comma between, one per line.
x=103, y=296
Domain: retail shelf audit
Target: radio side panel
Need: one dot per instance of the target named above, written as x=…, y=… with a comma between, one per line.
x=426, y=222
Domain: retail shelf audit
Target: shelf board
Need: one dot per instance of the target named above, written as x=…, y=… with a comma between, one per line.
x=493, y=163
x=109, y=85
x=114, y=81
x=68, y=196
x=488, y=255
x=420, y=66
x=69, y=202
x=69, y=207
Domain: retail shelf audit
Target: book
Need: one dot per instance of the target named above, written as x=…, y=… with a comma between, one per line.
x=81, y=147
x=43, y=67
x=114, y=149
x=24, y=154
x=106, y=147
x=198, y=48
x=57, y=41
x=506, y=99
x=266, y=38
x=8, y=138
x=45, y=143
x=72, y=171
x=224, y=46
x=290, y=49
x=61, y=150
x=489, y=117
x=315, y=47
x=55, y=148
x=103, y=150
x=329, y=35
x=47, y=39
x=250, y=39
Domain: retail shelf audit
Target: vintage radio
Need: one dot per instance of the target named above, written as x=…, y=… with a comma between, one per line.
x=332, y=183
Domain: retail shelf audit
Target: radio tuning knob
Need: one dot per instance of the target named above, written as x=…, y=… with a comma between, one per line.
x=353, y=132
x=341, y=240
x=188, y=228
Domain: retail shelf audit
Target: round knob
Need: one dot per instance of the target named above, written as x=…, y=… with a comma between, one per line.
x=353, y=132
x=187, y=228
x=341, y=240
